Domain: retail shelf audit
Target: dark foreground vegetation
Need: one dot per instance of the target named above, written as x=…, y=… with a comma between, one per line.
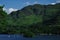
x=31, y=20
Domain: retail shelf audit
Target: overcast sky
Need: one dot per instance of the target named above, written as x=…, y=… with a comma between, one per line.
x=13, y=5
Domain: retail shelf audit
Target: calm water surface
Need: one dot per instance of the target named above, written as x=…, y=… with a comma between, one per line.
x=20, y=37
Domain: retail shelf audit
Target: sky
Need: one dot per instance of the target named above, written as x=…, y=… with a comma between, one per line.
x=13, y=5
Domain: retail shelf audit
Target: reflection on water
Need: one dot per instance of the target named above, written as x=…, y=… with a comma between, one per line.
x=20, y=37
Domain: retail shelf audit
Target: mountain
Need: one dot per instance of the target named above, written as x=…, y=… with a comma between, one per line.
x=36, y=19
x=33, y=20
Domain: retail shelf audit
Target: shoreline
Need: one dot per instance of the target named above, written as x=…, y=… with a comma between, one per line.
x=49, y=34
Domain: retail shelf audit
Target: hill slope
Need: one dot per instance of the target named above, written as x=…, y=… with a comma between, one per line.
x=33, y=20
x=3, y=22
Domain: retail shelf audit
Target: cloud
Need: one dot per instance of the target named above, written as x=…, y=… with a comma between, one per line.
x=9, y=10
x=27, y=3
x=53, y=3
x=36, y=2
x=12, y=9
x=6, y=10
x=58, y=1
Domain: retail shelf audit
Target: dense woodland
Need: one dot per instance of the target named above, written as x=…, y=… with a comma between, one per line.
x=31, y=20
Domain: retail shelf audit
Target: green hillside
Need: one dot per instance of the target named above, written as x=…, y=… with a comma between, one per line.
x=32, y=20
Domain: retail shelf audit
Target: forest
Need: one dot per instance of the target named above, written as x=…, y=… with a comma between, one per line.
x=31, y=20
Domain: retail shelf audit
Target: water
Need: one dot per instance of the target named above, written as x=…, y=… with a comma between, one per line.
x=20, y=37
